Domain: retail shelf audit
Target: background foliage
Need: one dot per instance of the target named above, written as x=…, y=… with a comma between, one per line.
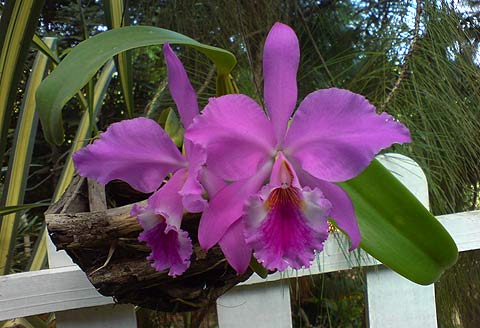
x=417, y=60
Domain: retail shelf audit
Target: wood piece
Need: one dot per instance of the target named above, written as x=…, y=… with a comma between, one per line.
x=79, y=230
x=97, y=199
x=125, y=273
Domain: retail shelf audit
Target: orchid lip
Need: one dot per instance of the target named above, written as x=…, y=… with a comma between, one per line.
x=285, y=223
x=286, y=227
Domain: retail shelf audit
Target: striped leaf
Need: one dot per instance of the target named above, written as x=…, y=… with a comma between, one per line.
x=17, y=26
x=17, y=173
x=45, y=49
x=116, y=17
x=18, y=208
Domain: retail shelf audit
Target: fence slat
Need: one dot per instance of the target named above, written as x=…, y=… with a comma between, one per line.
x=464, y=228
x=396, y=302
x=44, y=291
x=265, y=305
x=106, y=316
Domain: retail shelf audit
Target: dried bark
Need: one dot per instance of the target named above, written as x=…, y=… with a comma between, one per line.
x=104, y=244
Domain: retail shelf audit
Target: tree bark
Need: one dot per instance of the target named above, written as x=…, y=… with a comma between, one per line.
x=104, y=244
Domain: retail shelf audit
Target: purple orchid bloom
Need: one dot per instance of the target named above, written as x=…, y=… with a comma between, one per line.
x=333, y=136
x=139, y=152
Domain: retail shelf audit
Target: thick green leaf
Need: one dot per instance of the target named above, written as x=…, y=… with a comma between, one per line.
x=80, y=65
x=82, y=135
x=41, y=46
x=19, y=163
x=17, y=26
x=397, y=229
x=115, y=16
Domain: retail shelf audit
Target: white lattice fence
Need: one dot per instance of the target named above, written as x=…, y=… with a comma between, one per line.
x=392, y=300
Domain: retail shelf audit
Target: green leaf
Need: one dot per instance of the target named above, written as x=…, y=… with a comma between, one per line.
x=115, y=17
x=86, y=58
x=19, y=163
x=41, y=46
x=397, y=229
x=17, y=26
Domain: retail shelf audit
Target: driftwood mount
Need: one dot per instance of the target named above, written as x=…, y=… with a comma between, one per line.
x=103, y=242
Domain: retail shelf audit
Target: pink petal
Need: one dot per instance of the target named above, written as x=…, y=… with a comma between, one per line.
x=171, y=249
x=166, y=202
x=342, y=211
x=146, y=217
x=180, y=88
x=161, y=219
x=226, y=207
x=281, y=55
x=285, y=226
x=136, y=151
x=192, y=191
x=336, y=133
x=237, y=135
x=234, y=247
x=211, y=182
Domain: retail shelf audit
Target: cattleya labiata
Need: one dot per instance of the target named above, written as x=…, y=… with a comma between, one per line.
x=270, y=184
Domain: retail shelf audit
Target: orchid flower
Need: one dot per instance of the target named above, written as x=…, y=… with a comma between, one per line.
x=139, y=152
x=283, y=176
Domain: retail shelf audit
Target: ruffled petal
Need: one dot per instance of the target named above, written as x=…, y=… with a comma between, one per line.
x=137, y=151
x=180, y=88
x=281, y=55
x=342, y=211
x=237, y=135
x=192, y=191
x=234, y=247
x=171, y=249
x=336, y=133
x=161, y=220
x=285, y=226
x=226, y=207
